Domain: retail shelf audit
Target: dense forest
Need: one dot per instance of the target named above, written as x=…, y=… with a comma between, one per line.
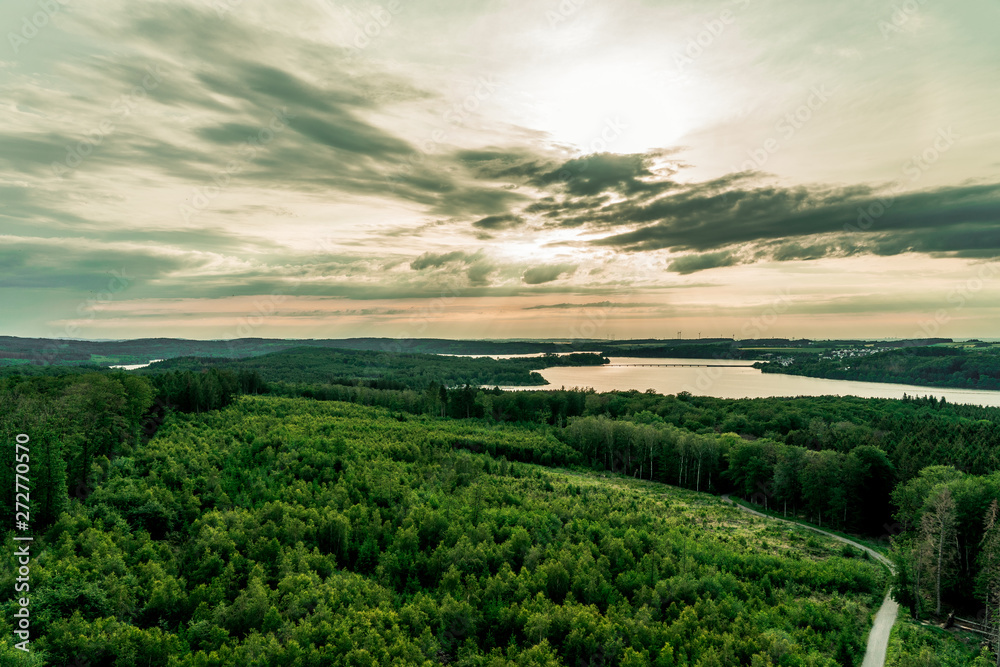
x=383, y=370
x=290, y=531
x=914, y=433
x=975, y=368
x=75, y=421
x=834, y=460
x=916, y=473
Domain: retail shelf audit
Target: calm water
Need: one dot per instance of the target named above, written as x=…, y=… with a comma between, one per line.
x=516, y=356
x=736, y=379
x=132, y=367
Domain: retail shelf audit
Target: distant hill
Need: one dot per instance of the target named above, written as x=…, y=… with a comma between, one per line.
x=44, y=351
x=964, y=368
x=383, y=370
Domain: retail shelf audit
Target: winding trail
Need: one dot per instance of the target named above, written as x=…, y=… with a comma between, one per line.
x=878, y=638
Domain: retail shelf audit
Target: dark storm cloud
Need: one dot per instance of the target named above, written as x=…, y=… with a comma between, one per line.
x=977, y=240
x=546, y=274
x=465, y=199
x=702, y=219
x=285, y=88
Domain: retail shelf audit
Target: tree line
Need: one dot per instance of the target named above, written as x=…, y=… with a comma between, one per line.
x=383, y=370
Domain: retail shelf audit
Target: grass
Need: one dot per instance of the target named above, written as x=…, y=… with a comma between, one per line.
x=868, y=542
x=711, y=514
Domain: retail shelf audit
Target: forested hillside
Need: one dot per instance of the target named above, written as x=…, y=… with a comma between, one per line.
x=383, y=370
x=68, y=352
x=919, y=470
x=926, y=366
x=281, y=532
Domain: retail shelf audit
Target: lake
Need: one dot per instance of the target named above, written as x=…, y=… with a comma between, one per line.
x=132, y=367
x=734, y=379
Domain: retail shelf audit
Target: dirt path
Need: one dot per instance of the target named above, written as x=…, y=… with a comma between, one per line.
x=878, y=638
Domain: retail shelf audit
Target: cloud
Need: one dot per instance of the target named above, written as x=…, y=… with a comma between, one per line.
x=236, y=285
x=604, y=172
x=546, y=274
x=812, y=221
x=480, y=272
x=429, y=260
x=371, y=160
x=517, y=164
x=495, y=222
x=711, y=260
x=78, y=263
x=796, y=251
x=225, y=79
x=598, y=304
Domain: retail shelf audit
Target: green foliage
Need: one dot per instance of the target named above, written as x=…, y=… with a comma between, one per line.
x=913, y=433
x=925, y=366
x=76, y=423
x=296, y=532
x=383, y=370
x=208, y=390
x=913, y=645
x=972, y=496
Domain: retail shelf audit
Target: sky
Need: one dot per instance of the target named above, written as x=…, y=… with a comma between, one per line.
x=219, y=169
